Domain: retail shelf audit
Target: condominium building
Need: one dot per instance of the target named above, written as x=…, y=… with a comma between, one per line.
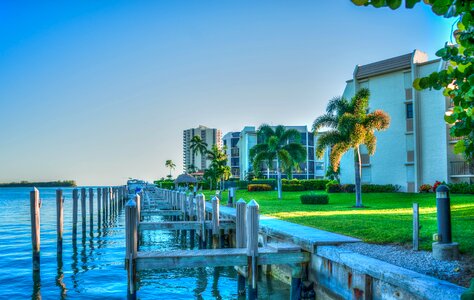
x=211, y=136
x=240, y=160
x=416, y=148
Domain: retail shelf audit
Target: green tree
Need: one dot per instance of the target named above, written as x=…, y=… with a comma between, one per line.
x=218, y=169
x=351, y=125
x=277, y=144
x=457, y=80
x=197, y=145
x=191, y=168
x=170, y=164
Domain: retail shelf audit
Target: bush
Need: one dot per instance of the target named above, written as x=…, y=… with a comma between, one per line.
x=292, y=187
x=348, y=188
x=314, y=199
x=244, y=183
x=436, y=184
x=333, y=187
x=315, y=184
x=425, y=188
x=461, y=188
x=259, y=187
x=380, y=188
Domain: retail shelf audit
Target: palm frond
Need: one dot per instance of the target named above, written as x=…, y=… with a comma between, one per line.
x=337, y=152
x=296, y=151
x=264, y=132
x=290, y=135
x=327, y=139
x=337, y=106
x=326, y=120
x=285, y=159
x=378, y=120
x=257, y=149
x=370, y=142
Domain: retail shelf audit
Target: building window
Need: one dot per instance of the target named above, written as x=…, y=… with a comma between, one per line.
x=410, y=156
x=319, y=166
x=408, y=94
x=409, y=110
x=365, y=159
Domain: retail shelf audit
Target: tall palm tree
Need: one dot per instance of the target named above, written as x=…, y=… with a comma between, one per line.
x=197, y=145
x=351, y=125
x=170, y=164
x=218, y=169
x=277, y=144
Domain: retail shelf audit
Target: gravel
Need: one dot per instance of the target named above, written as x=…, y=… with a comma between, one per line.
x=418, y=261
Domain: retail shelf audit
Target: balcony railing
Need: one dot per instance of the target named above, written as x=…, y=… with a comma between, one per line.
x=462, y=168
x=455, y=138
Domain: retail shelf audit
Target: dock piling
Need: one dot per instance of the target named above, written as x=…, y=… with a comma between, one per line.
x=215, y=222
x=83, y=208
x=59, y=221
x=35, y=227
x=252, y=248
x=241, y=238
x=75, y=208
x=131, y=222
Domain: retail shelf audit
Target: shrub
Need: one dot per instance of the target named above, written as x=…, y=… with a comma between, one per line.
x=314, y=184
x=244, y=183
x=292, y=187
x=425, y=188
x=436, y=184
x=314, y=199
x=259, y=187
x=380, y=188
x=461, y=188
x=333, y=187
x=348, y=188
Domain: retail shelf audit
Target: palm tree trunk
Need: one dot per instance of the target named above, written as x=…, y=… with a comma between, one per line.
x=268, y=172
x=358, y=174
x=278, y=178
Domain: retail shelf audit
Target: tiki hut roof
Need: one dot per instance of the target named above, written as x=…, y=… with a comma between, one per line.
x=185, y=178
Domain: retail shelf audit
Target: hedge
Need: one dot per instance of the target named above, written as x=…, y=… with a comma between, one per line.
x=244, y=183
x=461, y=188
x=308, y=184
x=292, y=187
x=334, y=187
x=314, y=199
x=259, y=187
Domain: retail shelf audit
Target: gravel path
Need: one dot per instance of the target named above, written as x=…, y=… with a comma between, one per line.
x=418, y=261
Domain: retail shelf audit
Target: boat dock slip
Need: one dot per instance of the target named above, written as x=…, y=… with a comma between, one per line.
x=226, y=236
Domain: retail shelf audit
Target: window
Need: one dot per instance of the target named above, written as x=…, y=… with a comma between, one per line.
x=365, y=159
x=408, y=94
x=409, y=110
x=410, y=156
x=319, y=166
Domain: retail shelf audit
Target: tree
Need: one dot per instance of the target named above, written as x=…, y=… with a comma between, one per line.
x=197, y=145
x=218, y=169
x=169, y=164
x=277, y=144
x=457, y=80
x=191, y=168
x=351, y=125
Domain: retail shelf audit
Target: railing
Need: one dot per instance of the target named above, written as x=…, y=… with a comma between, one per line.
x=455, y=138
x=462, y=168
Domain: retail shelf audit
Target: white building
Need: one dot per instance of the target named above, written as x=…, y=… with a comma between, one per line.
x=240, y=160
x=416, y=149
x=211, y=136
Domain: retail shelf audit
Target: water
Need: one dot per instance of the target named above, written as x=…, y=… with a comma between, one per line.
x=92, y=268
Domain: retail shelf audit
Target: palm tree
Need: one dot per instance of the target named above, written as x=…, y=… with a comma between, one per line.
x=197, y=145
x=191, y=168
x=352, y=125
x=277, y=144
x=170, y=164
x=218, y=169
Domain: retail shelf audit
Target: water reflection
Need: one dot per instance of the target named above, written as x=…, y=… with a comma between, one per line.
x=36, y=285
x=60, y=277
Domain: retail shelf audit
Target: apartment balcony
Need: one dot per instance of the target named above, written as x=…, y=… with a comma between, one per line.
x=462, y=169
x=454, y=139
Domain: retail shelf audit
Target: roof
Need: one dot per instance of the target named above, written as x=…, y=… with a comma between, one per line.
x=185, y=178
x=384, y=66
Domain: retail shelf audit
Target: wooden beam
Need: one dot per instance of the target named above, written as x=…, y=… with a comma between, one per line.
x=183, y=225
x=153, y=212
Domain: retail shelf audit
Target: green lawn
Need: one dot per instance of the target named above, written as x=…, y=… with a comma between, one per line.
x=387, y=218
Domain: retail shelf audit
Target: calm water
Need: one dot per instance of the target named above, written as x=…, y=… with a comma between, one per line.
x=92, y=268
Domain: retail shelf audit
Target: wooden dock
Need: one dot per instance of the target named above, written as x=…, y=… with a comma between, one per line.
x=190, y=213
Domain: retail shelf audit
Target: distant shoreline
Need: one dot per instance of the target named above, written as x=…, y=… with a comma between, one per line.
x=65, y=183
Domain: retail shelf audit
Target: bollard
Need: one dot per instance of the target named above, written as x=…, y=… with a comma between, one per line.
x=59, y=221
x=75, y=199
x=444, y=248
x=215, y=222
x=416, y=226
x=35, y=205
x=252, y=248
x=230, y=202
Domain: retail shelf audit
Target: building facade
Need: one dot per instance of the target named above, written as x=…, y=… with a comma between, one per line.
x=211, y=136
x=240, y=160
x=416, y=148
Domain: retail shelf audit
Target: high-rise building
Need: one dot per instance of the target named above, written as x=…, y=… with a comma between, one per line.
x=416, y=148
x=211, y=136
x=240, y=161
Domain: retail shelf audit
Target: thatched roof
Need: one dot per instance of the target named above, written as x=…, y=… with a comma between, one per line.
x=185, y=178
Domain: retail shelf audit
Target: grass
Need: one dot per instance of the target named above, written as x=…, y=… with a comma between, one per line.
x=387, y=218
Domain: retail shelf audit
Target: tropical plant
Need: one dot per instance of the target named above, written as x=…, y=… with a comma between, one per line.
x=197, y=145
x=351, y=125
x=191, y=168
x=218, y=169
x=277, y=144
x=170, y=164
x=457, y=80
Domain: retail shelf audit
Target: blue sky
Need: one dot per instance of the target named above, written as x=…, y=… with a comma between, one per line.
x=99, y=91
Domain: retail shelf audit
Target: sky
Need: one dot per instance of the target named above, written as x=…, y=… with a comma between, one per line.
x=100, y=91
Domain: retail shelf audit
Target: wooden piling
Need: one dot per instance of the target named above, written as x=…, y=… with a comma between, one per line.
x=99, y=200
x=59, y=221
x=296, y=283
x=91, y=207
x=215, y=222
x=231, y=192
x=241, y=239
x=252, y=248
x=104, y=202
x=416, y=226
x=83, y=208
x=75, y=208
x=201, y=204
x=131, y=237
x=35, y=227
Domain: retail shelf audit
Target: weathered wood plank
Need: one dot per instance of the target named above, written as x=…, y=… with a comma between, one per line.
x=152, y=212
x=184, y=225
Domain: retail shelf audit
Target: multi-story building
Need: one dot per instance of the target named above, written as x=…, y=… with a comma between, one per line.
x=240, y=160
x=416, y=148
x=230, y=141
x=211, y=136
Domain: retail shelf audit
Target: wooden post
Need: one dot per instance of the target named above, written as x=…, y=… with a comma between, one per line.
x=35, y=227
x=83, y=208
x=59, y=221
x=296, y=274
x=75, y=208
x=252, y=248
x=104, y=202
x=131, y=219
x=91, y=208
x=231, y=192
x=201, y=201
x=241, y=238
x=416, y=226
x=215, y=222
x=138, y=201
x=192, y=210
x=99, y=207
